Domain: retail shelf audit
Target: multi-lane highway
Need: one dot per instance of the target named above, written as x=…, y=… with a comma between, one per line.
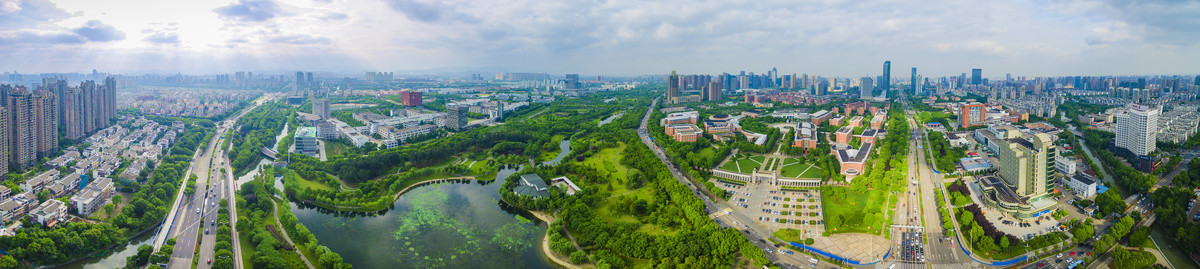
x=194, y=220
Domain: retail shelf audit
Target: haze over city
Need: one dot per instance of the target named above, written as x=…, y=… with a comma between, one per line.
x=836, y=38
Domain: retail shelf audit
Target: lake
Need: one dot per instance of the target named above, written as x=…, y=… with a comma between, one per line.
x=461, y=224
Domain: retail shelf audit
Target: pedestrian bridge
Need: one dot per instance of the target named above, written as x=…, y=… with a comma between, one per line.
x=270, y=153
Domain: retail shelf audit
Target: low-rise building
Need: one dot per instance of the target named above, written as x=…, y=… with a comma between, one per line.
x=852, y=161
x=806, y=135
x=532, y=185
x=1065, y=165
x=49, y=212
x=1081, y=185
x=686, y=117
x=683, y=132
x=843, y=135
x=11, y=210
x=566, y=184
x=92, y=197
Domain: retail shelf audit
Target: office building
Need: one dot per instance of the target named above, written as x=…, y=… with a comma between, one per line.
x=976, y=76
x=672, y=86
x=320, y=107
x=971, y=114
x=1081, y=185
x=456, y=117
x=306, y=141
x=1137, y=129
x=410, y=98
x=1026, y=173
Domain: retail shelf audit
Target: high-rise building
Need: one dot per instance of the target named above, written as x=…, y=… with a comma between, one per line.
x=320, y=107
x=886, y=80
x=971, y=114
x=22, y=133
x=45, y=119
x=72, y=116
x=1027, y=162
x=672, y=85
x=976, y=76
x=714, y=91
x=865, y=87
x=4, y=145
x=1137, y=129
x=572, y=82
x=410, y=98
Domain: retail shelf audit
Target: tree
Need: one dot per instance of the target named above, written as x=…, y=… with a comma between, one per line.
x=7, y=262
x=1003, y=242
x=108, y=209
x=578, y=257
x=330, y=259
x=141, y=258
x=116, y=199
x=1139, y=237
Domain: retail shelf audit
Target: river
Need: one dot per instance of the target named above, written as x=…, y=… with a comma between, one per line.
x=115, y=259
x=265, y=161
x=460, y=224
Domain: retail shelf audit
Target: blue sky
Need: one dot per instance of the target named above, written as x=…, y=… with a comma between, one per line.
x=615, y=37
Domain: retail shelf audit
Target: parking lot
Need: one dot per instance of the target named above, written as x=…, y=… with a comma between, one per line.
x=778, y=209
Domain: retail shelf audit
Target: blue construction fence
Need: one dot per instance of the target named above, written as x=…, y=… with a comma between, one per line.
x=1013, y=261
x=836, y=257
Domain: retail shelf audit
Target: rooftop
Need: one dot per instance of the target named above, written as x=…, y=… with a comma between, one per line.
x=306, y=132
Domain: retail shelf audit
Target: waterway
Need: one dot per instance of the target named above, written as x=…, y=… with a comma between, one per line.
x=265, y=161
x=116, y=258
x=461, y=224
x=611, y=118
x=564, y=148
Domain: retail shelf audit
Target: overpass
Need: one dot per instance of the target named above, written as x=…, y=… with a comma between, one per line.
x=270, y=153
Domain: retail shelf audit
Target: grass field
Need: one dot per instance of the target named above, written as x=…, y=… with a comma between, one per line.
x=790, y=235
x=708, y=152
x=609, y=160
x=305, y=183
x=743, y=164
x=801, y=170
x=549, y=155
x=853, y=212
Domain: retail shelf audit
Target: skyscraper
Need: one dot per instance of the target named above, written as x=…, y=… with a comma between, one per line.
x=886, y=80
x=456, y=117
x=22, y=133
x=4, y=145
x=1137, y=129
x=672, y=86
x=976, y=76
x=865, y=87
x=72, y=116
x=913, y=80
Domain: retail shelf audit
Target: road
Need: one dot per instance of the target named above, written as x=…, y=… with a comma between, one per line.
x=760, y=236
x=199, y=212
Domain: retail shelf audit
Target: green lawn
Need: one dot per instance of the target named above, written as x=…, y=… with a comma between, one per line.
x=549, y=155
x=789, y=161
x=608, y=160
x=758, y=158
x=708, y=153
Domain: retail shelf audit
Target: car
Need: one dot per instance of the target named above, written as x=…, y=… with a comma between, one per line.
x=1058, y=256
x=1072, y=253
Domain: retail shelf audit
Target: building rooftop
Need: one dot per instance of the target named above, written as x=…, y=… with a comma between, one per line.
x=306, y=132
x=1082, y=178
x=1003, y=192
x=854, y=155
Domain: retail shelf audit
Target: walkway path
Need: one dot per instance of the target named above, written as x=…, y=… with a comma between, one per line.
x=284, y=231
x=554, y=257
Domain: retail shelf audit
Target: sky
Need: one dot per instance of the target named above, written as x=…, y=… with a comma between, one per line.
x=604, y=37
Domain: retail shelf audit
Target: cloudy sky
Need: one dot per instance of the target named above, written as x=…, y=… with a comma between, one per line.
x=613, y=37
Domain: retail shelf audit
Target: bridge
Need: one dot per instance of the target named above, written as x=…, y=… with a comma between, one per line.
x=270, y=153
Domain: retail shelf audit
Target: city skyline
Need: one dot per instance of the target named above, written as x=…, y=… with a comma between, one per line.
x=619, y=38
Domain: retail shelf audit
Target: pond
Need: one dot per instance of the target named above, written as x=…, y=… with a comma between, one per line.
x=461, y=224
